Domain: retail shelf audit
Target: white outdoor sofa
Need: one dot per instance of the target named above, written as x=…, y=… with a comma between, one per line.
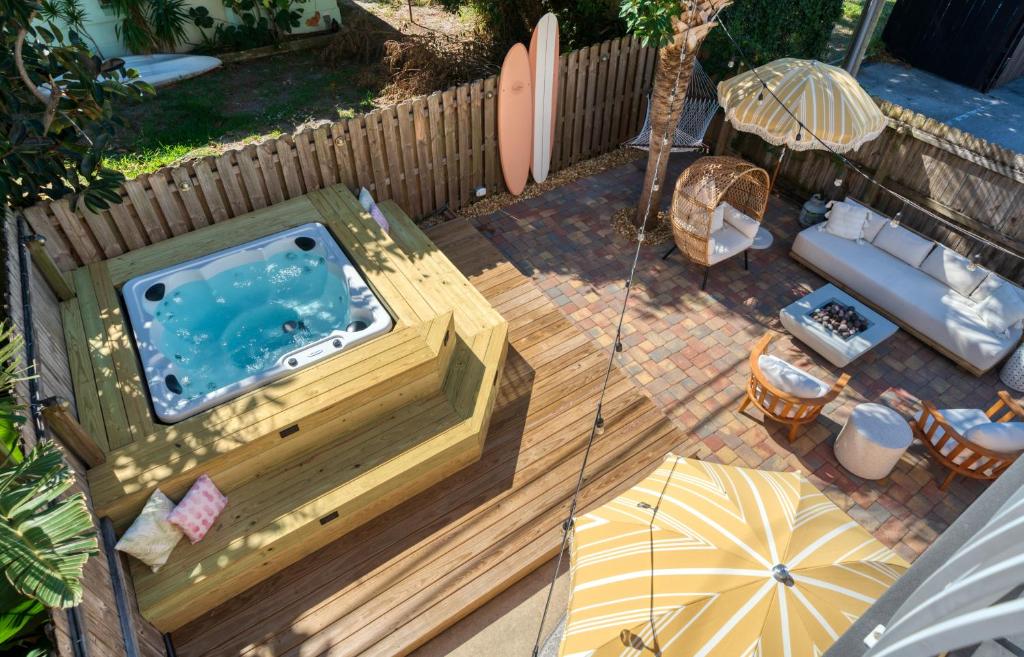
x=927, y=289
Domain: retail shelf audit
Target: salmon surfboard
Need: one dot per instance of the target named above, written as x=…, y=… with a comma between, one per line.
x=544, y=73
x=515, y=118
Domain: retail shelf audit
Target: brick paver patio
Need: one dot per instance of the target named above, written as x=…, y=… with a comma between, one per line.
x=689, y=348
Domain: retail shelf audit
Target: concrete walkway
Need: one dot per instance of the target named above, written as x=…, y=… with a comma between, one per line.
x=997, y=116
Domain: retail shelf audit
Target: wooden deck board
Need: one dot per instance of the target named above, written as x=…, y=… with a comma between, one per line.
x=398, y=580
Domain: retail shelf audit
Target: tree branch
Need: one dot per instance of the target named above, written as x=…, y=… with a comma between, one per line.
x=50, y=101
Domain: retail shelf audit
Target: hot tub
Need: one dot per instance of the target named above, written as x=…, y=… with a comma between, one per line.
x=210, y=329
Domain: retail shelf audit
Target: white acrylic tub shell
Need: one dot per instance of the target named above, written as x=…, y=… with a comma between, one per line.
x=171, y=407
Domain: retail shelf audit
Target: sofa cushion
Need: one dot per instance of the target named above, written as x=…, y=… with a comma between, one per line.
x=1001, y=309
x=726, y=243
x=906, y=245
x=949, y=267
x=1003, y=437
x=151, y=538
x=791, y=379
x=907, y=293
x=741, y=222
x=875, y=221
x=846, y=220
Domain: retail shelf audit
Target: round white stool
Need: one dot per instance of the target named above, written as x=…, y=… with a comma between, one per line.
x=872, y=441
x=1012, y=373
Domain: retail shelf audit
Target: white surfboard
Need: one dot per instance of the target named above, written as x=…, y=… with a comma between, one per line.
x=544, y=72
x=160, y=70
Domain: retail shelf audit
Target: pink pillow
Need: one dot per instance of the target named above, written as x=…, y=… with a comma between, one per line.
x=197, y=511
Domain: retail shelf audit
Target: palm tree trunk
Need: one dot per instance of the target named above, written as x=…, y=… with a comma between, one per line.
x=671, y=79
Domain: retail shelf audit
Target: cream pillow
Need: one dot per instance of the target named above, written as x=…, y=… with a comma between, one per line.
x=718, y=217
x=151, y=538
x=788, y=378
x=906, y=245
x=846, y=221
x=741, y=222
x=1003, y=308
x=874, y=223
x=952, y=269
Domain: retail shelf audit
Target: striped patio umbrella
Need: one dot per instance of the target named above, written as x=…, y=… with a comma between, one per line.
x=825, y=99
x=701, y=559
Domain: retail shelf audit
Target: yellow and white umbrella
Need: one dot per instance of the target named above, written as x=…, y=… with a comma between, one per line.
x=701, y=559
x=827, y=100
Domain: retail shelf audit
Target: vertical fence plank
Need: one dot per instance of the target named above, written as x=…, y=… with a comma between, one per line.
x=343, y=154
x=393, y=146
x=173, y=211
x=211, y=191
x=450, y=114
x=465, y=156
x=232, y=186
x=407, y=143
x=604, y=61
x=378, y=159
x=131, y=231
x=57, y=244
x=286, y=158
x=307, y=160
x=421, y=126
x=325, y=155
x=556, y=150
x=616, y=132
x=269, y=171
x=195, y=213
x=437, y=149
x=580, y=105
x=76, y=231
x=103, y=230
x=490, y=101
x=569, y=107
x=360, y=153
x=476, y=121
x=147, y=213
x=252, y=181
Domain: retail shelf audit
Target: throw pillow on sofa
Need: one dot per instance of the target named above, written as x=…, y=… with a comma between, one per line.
x=1002, y=437
x=846, y=221
x=906, y=245
x=741, y=222
x=791, y=379
x=198, y=510
x=952, y=269
x=1003, y=308
x=875, y=222
x=152, y=537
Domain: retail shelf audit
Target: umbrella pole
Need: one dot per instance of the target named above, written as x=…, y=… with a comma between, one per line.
x=775, y=173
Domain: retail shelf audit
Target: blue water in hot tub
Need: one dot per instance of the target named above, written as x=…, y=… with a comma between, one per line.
x=240, y=322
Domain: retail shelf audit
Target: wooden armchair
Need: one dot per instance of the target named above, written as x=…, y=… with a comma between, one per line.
x=779, y=405
x=958, y=454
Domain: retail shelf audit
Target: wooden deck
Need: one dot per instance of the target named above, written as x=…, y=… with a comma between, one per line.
x=402, y=578
x=306, y=459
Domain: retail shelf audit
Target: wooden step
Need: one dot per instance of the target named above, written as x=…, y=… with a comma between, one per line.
x=281, y=420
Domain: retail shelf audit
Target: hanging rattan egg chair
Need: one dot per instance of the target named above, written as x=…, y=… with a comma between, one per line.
x=717, y=208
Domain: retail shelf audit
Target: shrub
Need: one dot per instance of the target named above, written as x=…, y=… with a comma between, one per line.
x=769, y=29
x=56, y=113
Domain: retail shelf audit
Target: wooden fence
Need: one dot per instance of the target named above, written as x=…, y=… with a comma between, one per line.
x=964, y=179
x=427, y=153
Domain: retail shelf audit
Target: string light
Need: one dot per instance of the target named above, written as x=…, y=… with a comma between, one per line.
x=972, y=264
x=599, y=425
x=895, y=221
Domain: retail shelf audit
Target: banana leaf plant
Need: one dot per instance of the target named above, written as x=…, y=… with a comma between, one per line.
x=45, y=539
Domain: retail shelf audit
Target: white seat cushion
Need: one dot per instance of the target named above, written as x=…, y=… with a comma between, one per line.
x=791, y=379
x=1003, y=437
x=741, y=222
x=925, y=304
x=906, y=245
x=725, y=243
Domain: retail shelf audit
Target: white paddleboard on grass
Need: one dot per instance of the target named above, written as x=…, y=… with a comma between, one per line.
x=159, y=70
x=544, y=72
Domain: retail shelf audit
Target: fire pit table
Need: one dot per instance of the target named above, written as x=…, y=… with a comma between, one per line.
x=836, y=325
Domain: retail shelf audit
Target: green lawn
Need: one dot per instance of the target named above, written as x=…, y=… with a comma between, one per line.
x=238, y=103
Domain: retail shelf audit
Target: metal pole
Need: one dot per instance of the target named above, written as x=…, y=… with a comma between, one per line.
x=869, y=17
